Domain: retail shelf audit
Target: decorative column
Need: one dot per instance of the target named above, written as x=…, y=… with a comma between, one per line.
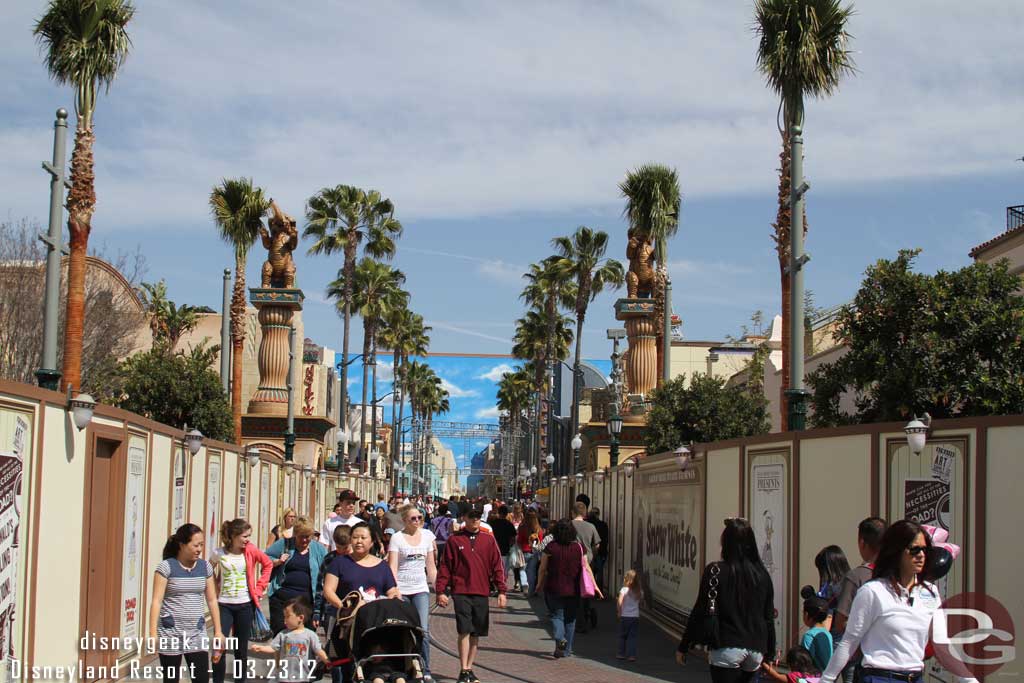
x=641, y=360
x=276, y=309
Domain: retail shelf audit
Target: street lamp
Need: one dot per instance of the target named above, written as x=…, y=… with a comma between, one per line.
x=253, y=455
x=614, y=429
x=577, y=444
x=82, y=408
x=917, y=433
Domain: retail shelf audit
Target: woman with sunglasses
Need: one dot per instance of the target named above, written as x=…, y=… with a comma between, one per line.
x=891, y=615
x=411, y=556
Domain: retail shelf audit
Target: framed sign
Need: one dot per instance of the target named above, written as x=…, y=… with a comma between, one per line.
x=769, y=505
x=212, y=504
x=243, y=487
x=132, y=570
x=265, y=499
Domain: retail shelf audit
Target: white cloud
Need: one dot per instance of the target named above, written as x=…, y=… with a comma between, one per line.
x=457, y=392
x=495, y=373
x=441, y=325
x=488, y=413
x=476, y=99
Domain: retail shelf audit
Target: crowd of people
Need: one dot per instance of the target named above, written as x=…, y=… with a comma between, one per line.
x=866, y=624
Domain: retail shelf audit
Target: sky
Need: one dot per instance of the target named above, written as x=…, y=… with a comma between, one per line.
x=496, y=126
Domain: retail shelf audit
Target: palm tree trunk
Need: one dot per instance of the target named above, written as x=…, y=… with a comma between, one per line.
x=373, y=401
x=363, y=423
x=81, y=203
x=783, y=222
x=237, y=344
x=349, y=267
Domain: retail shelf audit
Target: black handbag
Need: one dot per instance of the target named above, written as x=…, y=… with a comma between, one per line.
x=709, y=635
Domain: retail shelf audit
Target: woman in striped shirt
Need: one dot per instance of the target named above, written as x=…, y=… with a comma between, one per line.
x=183, y=581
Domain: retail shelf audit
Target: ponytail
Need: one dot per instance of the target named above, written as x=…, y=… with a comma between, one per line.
x=232, y=528
x=182, y=536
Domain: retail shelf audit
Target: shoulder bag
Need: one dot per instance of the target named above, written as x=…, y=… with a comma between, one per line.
x=709, y=627
x=587, y=587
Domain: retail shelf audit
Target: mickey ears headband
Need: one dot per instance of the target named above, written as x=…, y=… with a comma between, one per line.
x=939, y=536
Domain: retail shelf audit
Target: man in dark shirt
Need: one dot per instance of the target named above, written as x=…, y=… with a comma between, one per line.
x=504, y=534
x=601, y=554
x=869, y=541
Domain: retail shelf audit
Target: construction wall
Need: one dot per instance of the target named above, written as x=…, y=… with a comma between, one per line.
x=802, y=491
x=87, y=514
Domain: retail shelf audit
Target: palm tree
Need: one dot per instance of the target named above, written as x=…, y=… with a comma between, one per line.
x=405, y=335
x=427, y=397
x=515, y=392
x=86, y=42
x=374, y=289
x=652, y=209
x=802, y=51
x=168, y=322
x=339, y=219
x=583, y=254
x=549, y=287
x=238, y=209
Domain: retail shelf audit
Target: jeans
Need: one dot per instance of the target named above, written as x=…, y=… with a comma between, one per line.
x=421, y=601
x=532, y=568
x=597, y=566
x=196, y=663
x=628, y=630
x=504, y=565
x=240, y=617
x=524, y=574
x=563, y=610
x=734, y=664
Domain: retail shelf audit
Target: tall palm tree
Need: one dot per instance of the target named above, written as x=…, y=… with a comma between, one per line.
x=802, y=51
x=549, y=287
x=238, y=209
x=583, y=254
x=339, y=219
x=652, y=209
x=427, y=397
x=374, y=289
x=515, y=394
x=168, y=322
x=405, y=335
x=86, y=42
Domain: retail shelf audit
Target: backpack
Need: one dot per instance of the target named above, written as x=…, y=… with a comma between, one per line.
x=441, y=527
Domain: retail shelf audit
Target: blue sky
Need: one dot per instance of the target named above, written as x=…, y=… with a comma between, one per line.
x=472, y=384
x=495, y=127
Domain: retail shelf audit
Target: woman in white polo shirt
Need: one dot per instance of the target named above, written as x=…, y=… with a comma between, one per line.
x=891, y=615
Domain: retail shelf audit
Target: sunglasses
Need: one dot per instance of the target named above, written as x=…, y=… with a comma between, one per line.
x=916, y=550
x=416, y=518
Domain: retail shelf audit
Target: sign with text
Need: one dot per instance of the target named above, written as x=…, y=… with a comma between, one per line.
x=669, y=520
x=213, y=504
x=131, y=574
x=769, y=518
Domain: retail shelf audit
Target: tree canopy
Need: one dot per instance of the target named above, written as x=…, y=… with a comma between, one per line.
x=951, y=344
x=706, y=410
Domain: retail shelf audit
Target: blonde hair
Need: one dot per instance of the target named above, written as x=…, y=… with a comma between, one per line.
x=303, y=527
x=406, y=509
x=631, y=580
x=284, y=516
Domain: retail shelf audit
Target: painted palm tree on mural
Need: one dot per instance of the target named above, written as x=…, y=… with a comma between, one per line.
x=583, y=256
x=86, y=42
x=238, y=209
x=374, y=289
x=339, y=219
x=515, y=395
x=802, y=51
x=653, y=202
x=405, y=335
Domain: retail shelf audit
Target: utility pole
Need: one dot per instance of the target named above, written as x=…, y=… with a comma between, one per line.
x=48, y=375
x=289, y=434
x=797, y=395
x=225, y=334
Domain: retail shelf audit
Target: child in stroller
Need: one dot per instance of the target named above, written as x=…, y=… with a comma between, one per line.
x=386, y=641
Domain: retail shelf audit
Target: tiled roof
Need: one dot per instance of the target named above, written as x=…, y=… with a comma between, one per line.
x=998, y=239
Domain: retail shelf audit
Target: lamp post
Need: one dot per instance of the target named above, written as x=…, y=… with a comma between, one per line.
x=48, y=375
x=577, y=444
x=614, y=429
x=796, y=395
x=289, y=434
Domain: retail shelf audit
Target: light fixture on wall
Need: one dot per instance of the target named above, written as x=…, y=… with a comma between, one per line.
x=533, y=470
x=579, y=478
x=253, y=455
x=917, y=433
x=193, y=439
x=599, y=476
x=307, y=472
x=81, y=407
x=683, y=456
x=322, y=474
x=630, y=465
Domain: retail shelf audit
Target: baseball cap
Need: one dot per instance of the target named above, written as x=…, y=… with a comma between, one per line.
x=473, y=513
x=348, y=494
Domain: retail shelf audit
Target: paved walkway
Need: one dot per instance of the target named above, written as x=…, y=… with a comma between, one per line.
x=519, y=648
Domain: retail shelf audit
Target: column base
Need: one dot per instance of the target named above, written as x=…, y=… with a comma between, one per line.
x=48, y=379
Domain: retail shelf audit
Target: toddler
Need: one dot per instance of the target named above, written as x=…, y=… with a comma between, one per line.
x=801, y=668
x=296, y=646
x=628, y=609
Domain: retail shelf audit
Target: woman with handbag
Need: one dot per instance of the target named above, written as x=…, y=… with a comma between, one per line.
x=734, y=616
x=528, y=538
x=242, y=573
x=565, y=577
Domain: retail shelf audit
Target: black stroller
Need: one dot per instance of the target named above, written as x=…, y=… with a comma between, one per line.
x=386, y=642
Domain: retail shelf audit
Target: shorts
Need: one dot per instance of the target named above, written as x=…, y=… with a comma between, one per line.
x=735, y=658
x=472, y=615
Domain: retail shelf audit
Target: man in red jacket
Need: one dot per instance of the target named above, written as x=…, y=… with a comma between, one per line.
x=470, y=566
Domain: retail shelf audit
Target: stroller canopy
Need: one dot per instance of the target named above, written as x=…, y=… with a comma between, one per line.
x=393, y=623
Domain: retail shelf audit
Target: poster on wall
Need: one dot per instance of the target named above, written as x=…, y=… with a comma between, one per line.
x=131, y=576
x=13, y=452
x=927, y=501
x=668, y=522
x=265, y=500
x=178, y=512
x=768, y=517
x=213, y=504
x=243, y=488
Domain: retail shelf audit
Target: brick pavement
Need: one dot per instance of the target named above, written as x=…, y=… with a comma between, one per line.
x=520, y=648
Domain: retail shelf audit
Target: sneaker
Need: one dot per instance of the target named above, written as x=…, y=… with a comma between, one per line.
x=472, y=677
x=465, y=676
x=560, y=648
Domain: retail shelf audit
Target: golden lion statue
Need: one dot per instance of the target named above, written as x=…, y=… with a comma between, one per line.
x=280, y=242
x=640, y=279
